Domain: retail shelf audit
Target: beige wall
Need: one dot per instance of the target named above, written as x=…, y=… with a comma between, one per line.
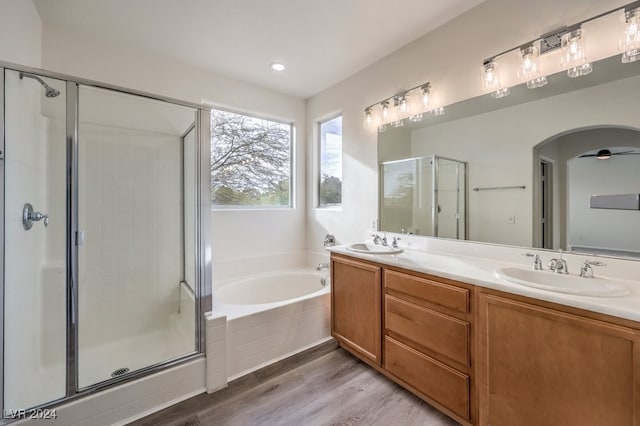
x=20, y=33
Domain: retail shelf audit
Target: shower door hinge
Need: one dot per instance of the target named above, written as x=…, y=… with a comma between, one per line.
x=79, y=238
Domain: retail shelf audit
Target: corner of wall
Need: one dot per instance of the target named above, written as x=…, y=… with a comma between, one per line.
x=20, y=33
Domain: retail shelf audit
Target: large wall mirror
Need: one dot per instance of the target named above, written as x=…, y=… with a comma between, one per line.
x=544, y=167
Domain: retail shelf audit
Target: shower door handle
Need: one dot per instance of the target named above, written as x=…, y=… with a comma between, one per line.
x=29, y=216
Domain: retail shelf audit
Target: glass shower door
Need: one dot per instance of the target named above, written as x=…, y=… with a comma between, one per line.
x=451, y=198
x=35, y=230
x=135, y=305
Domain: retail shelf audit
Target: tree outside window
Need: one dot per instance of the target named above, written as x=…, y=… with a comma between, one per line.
x=250, y=161
x=330, y=190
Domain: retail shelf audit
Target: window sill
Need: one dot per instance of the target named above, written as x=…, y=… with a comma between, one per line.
x=328, y=209
x=252, y=209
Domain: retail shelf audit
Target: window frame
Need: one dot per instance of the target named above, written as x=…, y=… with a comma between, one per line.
x=292, y=169
x=318, y=173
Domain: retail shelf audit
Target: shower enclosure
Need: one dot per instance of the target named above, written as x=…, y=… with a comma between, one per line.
x=104, y=235
x=424, y=196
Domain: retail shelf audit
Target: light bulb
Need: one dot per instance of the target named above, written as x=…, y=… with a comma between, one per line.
x=490, y=77
x=400, y=110
x=426, y=93
x=403, y=106
x=368, y=118
x=385, y=111
x=491, y=80
x=529, y=70
x=574, y=56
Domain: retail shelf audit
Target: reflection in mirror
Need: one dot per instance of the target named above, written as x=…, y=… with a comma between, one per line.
x=409, y=190
x=540, y=147
x=573, y=168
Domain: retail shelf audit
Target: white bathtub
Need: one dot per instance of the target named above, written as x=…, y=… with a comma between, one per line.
x=273, y=315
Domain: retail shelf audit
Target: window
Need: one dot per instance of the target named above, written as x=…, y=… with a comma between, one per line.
x=330, y=191
x=251, y=161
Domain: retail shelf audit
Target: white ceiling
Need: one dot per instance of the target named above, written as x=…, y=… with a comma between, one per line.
x=320, y=41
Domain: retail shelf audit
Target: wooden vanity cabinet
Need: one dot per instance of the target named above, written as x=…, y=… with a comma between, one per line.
x=428, y=339
x=356, y=307
x=536, y=363
x=543, y=366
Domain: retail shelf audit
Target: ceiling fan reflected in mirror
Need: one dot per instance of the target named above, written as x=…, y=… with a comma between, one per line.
x=605, y=154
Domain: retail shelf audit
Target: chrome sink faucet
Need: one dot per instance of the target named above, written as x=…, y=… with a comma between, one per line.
x=559, y=266
x=537, y=262
x=379, y=240
x=586, y=271
x=394, y=244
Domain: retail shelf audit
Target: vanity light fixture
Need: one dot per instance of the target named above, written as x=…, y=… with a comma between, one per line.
x=571, y=41
x=491, y=80
x=630, y=41
x=411, y=105
x=277, y=66
x=574, y=55
x=530, y=69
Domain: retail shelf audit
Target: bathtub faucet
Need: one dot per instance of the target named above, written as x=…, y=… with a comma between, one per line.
x=322, y=266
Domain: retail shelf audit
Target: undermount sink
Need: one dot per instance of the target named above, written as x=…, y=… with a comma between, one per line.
x=570, y=284
x=373, y=249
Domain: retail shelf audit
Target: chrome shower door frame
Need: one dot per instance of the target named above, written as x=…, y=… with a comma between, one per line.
x=2, y=234
x=72, y=238
x=203, y=236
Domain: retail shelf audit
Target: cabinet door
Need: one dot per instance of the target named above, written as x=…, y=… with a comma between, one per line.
x=545, y=367
x=356, y=307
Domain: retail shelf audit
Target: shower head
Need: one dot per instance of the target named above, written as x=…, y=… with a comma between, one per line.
x=49, y=91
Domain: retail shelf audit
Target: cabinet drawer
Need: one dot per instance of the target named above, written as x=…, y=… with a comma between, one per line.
x=439, y=382
x=428, y=329
x=420, y=290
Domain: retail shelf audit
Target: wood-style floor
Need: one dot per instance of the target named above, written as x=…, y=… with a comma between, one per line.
x=323, y=386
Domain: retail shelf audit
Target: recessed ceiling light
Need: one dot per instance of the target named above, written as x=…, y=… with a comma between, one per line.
x=277, y=66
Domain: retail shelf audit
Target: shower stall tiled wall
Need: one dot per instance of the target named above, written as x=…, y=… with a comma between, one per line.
x=112, y=283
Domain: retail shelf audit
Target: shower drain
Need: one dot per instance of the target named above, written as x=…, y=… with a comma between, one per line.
x=120, y=372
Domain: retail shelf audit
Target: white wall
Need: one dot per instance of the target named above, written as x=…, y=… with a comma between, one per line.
x=34, y=276
x=236, y=234
x=451, y=58
x=20, y=33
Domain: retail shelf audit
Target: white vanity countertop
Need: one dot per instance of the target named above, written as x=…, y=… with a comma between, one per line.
x=478, y=270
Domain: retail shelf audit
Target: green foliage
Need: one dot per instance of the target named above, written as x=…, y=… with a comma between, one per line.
x=330, y=190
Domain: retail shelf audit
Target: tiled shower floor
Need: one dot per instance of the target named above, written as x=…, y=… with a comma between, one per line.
x=98, y=362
